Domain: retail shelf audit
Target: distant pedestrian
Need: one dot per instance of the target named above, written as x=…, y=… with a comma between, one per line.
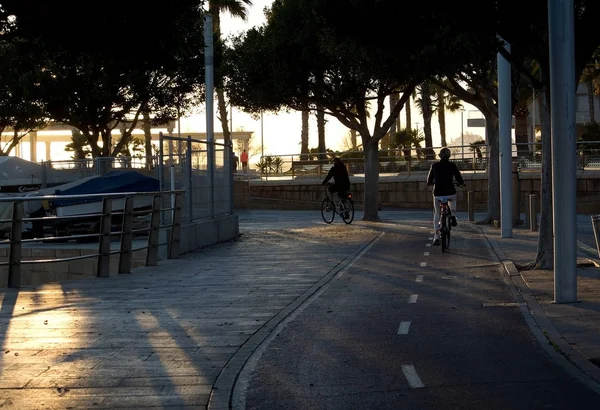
x=236, y=162
x=244, y=159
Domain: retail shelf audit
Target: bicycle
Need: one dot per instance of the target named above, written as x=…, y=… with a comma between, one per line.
x=446, y=221
x=344, y=208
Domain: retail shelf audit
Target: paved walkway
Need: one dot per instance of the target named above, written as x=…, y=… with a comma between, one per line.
x=177, y=335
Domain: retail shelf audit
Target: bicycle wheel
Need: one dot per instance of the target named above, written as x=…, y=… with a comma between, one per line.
x=348, y=212
x=448, y=230
x=327, y=210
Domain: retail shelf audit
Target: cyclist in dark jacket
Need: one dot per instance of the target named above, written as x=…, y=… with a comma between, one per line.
x=441, y=176
x=340, y=176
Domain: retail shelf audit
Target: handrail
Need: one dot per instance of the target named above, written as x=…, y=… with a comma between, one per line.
x=104, y=235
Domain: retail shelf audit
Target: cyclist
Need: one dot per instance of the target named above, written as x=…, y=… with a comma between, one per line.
x=441, y=175
x=341, y=179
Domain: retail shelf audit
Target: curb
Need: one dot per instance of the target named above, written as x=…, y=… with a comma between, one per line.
x=221, y=395
x=549, y=337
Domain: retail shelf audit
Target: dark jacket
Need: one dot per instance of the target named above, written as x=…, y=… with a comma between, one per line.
x=340, y=175
x=440, y=176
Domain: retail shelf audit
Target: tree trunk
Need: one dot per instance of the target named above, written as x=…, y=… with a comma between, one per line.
x=408, y=115
x=491, y=129
x=147, y=125
x=521, y=137
x=321, y=132
x=441, y=111
x=304, y=135
x=591, y=93
x=393, y=101
x=545, y=252
x=223, y=115
x=353, y=140
x=427, y=109
x=371, y=185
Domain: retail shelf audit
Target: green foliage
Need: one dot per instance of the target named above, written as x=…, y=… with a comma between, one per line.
x=78, y=145
x=590, y=133
x=270, y=164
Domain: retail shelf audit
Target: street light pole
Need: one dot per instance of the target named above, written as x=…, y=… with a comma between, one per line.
x=462, y=133
x=262, y=144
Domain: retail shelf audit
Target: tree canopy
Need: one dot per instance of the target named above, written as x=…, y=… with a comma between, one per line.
x=102, y=65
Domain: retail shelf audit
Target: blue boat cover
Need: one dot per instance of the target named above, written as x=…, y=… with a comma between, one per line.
x=111, y=182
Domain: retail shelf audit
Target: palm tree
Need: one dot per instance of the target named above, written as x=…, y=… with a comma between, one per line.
x=425, y=103
x=591, y=77
x=237, y=8
x=442, y=102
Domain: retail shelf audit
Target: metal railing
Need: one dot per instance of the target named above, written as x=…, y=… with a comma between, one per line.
x=102, y=231
x=471, y=158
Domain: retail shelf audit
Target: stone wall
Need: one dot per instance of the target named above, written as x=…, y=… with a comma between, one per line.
x=409, y=192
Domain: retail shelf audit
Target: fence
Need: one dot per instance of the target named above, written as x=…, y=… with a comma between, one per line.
x=473, y=158
x=112, y=216
x=204, y=170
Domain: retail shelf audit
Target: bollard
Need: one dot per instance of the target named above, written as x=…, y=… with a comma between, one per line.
x=596, y=226
x=533, y=207
x=527, y=211
x=470, y=206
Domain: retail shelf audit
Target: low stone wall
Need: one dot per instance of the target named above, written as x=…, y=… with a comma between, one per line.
x=409, y=192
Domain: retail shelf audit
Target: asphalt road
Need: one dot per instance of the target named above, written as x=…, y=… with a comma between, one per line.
x=404, y=326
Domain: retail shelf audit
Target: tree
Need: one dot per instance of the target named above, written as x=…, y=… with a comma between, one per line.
x=528, y=37
x=238, y=9
x=442, y=102
x=100, y=83
x=347, y=68
x=20, y=108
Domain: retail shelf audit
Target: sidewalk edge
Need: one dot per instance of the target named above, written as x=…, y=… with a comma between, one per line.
x=551, y=340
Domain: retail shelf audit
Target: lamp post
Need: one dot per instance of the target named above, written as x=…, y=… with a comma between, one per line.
x=262, y=145
x=462, y=133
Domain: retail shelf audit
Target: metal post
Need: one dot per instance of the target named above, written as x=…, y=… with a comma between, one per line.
x=533, y=211
x=504, y=135
x=172, y=188
x=564, y=177
x=471, y=206
x=104, y=243
x=161, y=153
x=210, y=136
x=232, y=182
x=126, y=237
x=45, y=165
x=462, y=134
x=152, y=251
x=188, y=189
x=14, y=258
x=516, y=195
x=527, y=211
x=596, y=226
x=175, y=239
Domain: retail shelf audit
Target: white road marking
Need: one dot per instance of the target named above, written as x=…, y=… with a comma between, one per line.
x=413, y=298
x=419, y=278
x=403, y=329
x=412, y=377
x=425, y=253
x=430, y=238
x=428, y=245
x=423, y=264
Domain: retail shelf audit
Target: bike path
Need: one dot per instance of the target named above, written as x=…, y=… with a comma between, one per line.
x=406, y=326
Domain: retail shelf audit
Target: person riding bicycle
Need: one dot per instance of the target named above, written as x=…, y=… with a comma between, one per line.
x=340, y=177
x=441, y=175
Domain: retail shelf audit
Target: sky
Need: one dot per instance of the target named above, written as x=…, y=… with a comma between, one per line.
x=281, y=132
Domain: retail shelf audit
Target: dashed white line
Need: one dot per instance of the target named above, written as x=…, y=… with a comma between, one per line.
x=413, y=298
x=403, y=329
x=425, y=253
x=428, y=245
x=412, y=377
x=430, y=238
x=423, y=264
x=419, y=278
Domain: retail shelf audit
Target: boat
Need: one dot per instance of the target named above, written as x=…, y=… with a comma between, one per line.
x=112, y=182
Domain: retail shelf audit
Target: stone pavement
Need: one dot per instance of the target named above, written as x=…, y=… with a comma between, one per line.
x=177, y=335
